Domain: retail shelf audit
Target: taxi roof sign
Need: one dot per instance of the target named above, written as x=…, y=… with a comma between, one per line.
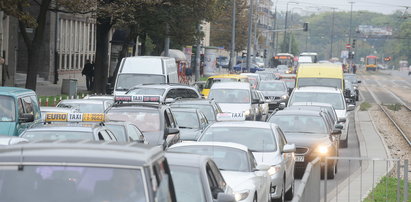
x=137, y=98
x=74, y=117
x=227, y=116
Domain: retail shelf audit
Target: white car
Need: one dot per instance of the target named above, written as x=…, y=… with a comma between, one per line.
x=235, y=97
x=329, y=95
x=269, y=146
x=11, y=140
x=249, y=181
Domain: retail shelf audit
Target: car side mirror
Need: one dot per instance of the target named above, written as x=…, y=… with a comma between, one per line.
x=289, y=148
x=223, y=197
x=255, y=101
x=290, y=90
x=25, y=118
x=281, y=106
x=350, y=107
x=339, y=126
x=342, y=119
x=170, y=131
x=359, y=81
x=336, y=132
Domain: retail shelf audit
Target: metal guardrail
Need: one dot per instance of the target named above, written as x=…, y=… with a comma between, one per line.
x=369, y=178
x=309, y=189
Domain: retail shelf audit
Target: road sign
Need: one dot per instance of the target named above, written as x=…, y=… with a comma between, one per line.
x=347, y=45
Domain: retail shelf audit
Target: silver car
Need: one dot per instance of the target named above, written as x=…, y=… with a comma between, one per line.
x=269, y=146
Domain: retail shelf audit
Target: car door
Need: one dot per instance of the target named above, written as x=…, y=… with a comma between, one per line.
x=256, y=107
x=134, y=134
x=26, y=106
x=288, y=158
x=263, y=180
x=171, y=123
x=215, y=180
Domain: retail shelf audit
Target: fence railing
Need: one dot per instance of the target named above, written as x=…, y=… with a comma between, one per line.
x=309, y=188
x=360, y=184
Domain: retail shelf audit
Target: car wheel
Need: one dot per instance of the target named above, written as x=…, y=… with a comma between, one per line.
x=344, y=143
x=281, y=198
x=331, y=171
x=290, y=192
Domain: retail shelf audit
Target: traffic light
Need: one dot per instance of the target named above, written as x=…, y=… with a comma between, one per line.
x=353, y=43
x=351, y=55
x=305, y=26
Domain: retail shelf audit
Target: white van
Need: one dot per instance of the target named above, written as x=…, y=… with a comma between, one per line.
x=144, y=70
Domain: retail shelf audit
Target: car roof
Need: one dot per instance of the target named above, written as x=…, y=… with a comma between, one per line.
x=81, y=151
x=237, y=76
x=83, y=101
x=193, y=100
x=14, y=91
x=65, y=126
x=234, y=85
x=247, y=124
x=298, y=112
x=319, y=89
x=187, y=160
x=220, y=144
x=137, y=106
x=162, y=86
x=99, y=97
x=321, y=104
x=56, y=109
x=272, y=81
x=184, y=109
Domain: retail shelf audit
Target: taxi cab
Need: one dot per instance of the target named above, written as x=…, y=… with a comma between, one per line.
x=84, y=171
x=316, y=74
x=222, y=78
x=149, y=114
x=70, y=126
x=19, y=109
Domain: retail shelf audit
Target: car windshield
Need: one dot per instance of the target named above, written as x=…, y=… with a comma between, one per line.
x=57, y=135
x=265, y=76
x=84, y=107
x=230, y=95
x=187, y=183
x=207, y=110
x=7, y=109
x=226, y=158
x=68, y=184
x=256, y=139
x=335, y=99
x=351, y=78
x=326, y=82
x=271, y=86
x=127, y=81
x=146, y=121
x=211, y=81
x=300, y=123
x=290, y=83
x=146, y=91
x=186, y=119
x=119, y=131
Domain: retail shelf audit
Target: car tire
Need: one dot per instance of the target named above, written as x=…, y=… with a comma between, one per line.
x=290, y=192
x=281, y=198
x=344, y=143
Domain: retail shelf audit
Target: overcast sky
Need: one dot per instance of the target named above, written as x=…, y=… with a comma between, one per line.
x=380, y=6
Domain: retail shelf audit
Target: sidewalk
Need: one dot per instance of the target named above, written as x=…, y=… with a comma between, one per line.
x=47, y=88
x=361, y=182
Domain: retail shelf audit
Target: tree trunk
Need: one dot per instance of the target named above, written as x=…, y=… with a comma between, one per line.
x=101, y=63
x=34, y=59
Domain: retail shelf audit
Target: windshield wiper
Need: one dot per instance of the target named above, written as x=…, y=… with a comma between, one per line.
x=186, y=127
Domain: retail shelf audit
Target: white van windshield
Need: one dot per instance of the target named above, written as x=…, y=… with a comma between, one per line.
x=335, y=99
x=127, y=81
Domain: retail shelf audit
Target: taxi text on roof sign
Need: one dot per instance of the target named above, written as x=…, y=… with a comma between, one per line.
x=74, y=117
x=137, y=98
x=230, y=116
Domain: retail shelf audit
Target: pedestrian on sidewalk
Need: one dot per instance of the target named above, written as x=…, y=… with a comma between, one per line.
x=409, y=70
x=88, y=71
x=354, y=68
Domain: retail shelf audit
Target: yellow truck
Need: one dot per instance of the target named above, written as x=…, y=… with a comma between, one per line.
x=222, y=78
x=320, y=74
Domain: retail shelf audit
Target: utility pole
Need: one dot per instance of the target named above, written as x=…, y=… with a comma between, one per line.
x=275, y=34
x=255, y=30
x=250, y=25
x=349, y=36
x=332, y=34
x=232, y=54
x=167, y=41
x=285, y=23
x=198, y=58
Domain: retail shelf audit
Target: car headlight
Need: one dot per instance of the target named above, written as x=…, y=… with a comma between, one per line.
x=241, y=195
x=284, y=97
x=273, y=170
x=323, y=149
x=247, y=112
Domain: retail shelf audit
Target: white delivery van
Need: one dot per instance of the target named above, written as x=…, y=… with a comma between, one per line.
x=144, y=70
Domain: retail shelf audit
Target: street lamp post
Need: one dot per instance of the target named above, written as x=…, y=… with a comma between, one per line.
x=232, y=54
x=286, y=16
x=291, y=22
x=332, y=34
x=349, y=35
x=250, y=24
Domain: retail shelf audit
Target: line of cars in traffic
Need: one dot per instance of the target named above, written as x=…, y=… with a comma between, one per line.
x=234, y=146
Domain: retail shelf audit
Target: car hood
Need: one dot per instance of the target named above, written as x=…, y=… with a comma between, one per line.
x=7, y=128
x=119, y=93
x=341, y=113
x=189, y=134
x=234, y=108
x=268, y=158
x=274, y=93
x=306, y=139
x=238, y=180
x=154, y=138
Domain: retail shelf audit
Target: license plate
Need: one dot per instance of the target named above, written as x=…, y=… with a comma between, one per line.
x=299, y=158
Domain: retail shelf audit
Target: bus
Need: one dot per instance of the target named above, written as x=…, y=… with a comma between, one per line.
x=314, y=56
x=371, y=63
x=284, y=59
